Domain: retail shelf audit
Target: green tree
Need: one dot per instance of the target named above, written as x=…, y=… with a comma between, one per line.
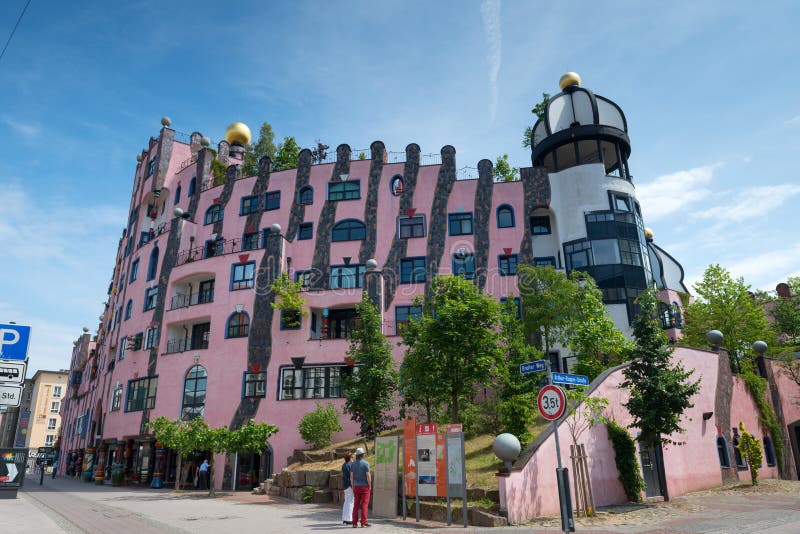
x=583, y=413
x=317, y=426
x=786, y=313
x=503, y=171
x=319, y=154
x=289, y=301
x=459, y=328
x=288, y=154
x=369, y=390
x=750, y=449
x=660, y=392
x=548, y=300
x=173, y=435
x=724, y=303
x=538, y=110
x=265, y=146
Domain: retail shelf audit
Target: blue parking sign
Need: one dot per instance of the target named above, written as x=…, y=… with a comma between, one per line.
x=14, y=341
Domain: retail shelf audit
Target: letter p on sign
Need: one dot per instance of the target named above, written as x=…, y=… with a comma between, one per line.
x=14, y=341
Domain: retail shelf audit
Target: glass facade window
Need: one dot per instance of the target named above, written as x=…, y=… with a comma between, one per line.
x=404, y=314
x=347, y=276
x=194, y=393
x=243, y=275
x=273, y=201
x=605, y=251
x=460, y=223
x=305, y=231
x=540, y=225
x=412, y=226
x=141, y=394
x=412, y=270
x=464, y=265
x=348, y=190
x=311, y=383
x=349, y=230
x=255, y=385
x=249, y=205
x=578, y=254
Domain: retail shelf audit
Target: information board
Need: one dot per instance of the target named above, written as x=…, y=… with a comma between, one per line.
x=384, y=498
x=12, y=468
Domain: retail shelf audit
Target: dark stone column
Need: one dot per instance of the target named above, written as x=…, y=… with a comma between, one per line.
x=391, y=267
x=320, y=264
x=536, y=187
x=301, y=180
x=788, y=471
x=232, y=173
x=437, y=228
x=165, y=142
x=482, y=216
x=260, y=187
x=722, y=410
x=367, y=249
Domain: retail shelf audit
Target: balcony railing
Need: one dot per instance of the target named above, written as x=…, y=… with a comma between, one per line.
x=182, y=345
x=198, y=297
x=220, y=248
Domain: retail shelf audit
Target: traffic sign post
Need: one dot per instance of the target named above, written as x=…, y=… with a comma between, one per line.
x=10, y=395
x=12, y=372
x=555, y=406
x=14, y=340
x=532, y=367
x=570, y=380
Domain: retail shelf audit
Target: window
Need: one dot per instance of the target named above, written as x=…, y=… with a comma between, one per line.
x=540, y=225
x=340, y=323
x=291, y=320
x=769, y=451
x=255, y=385
x=116, y=399
x=505, y=216
x=577, y=254
x=620, y=202
x=134, y=270
x=605, y=252
x=348, y=230
x=55, y=406
x=508, y=264
x=177, y=198
x=51, y=423
x=192, y=186
x=350, y=190
x=128, y=309
x=311, y=383
x=630, y=252
x=243, y=275
x=56, y=391
x=150, y=298
x=460, y=223
x=517, y=305
x=214, y=214
x=49, y=439
x=151, y=167
x=305, y=195
x=464, y=265
x=248, y=205
x=214, y=247
x=305, y=231
x=305, y=276
x=194, y=393
x=544, y=261
x=347, y=277
x=412, y=226
x=123, y=345
x=396, y=185
x=741, y=464
x=141, y=394
x=273, y=200
x=238, y=325
x=151, y=338
x=251, y=241
x=152, y=265
x=404, y=314
x=412, y=270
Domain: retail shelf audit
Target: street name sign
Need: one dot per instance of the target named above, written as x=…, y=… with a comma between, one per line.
x=532, y=367
x=14, y=341
x=570, y=380
x=10, y=395
x=12, y=372
x=552, y=402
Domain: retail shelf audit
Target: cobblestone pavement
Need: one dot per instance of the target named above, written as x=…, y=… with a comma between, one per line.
x=66, y=505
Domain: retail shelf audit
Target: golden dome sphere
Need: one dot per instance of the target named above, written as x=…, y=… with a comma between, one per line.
x=648, y=233
x=569, y=78
x=238, y=132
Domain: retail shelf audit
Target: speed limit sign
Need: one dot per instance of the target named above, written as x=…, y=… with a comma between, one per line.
x=552, y=402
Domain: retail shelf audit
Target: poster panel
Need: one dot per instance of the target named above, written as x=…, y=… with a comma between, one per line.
x=426, y=464
x=384, y=493
x=441, y=466
x=409, y=455
x=455, y=464
x=12, y=468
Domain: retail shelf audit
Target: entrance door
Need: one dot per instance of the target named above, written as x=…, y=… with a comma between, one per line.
x=650, y=458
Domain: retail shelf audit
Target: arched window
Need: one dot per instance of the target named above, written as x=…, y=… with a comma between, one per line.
x=177, y=196
x=192, y=185
x=194, y=393
x=665, y=314
x=152, y=266
x=769, y=451
x=741, y=464
x=505, y=216
x=305, y=195
x=722, y=451
x=214, y=214
x=128, y=309
x=396, y=185
x=238, y=325
x=349, y=230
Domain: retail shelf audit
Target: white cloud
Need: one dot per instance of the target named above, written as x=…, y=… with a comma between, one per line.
x=671, y=193
x=490, y=13
x=27, y=130
x=794, y=120
x=767, y=269
x=751, y=202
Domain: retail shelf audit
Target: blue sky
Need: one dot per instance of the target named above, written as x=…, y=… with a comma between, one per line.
x=709, y=90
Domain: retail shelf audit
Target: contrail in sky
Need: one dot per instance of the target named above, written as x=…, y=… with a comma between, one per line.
x=490, y=13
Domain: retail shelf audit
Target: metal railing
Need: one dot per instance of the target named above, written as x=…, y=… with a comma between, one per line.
x=220, y=247
x=467, y=173
x=430, y=159
x=198, y=297
x=182, y=345
x=185, y=163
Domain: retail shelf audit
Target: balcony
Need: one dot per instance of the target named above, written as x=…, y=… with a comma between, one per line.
x=182, y=345
x=188, y=336
x=181, y=300
x=220, y=247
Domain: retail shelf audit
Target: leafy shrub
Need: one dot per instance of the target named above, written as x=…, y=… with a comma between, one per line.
x=625, y=458
x=750, y=449
x=219, y=170
x=317, y=427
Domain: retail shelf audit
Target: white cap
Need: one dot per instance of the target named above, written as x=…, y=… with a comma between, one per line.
x=359, y=451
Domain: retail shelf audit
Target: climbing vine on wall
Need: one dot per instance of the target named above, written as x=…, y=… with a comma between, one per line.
x=766, y=415
x=625, y=458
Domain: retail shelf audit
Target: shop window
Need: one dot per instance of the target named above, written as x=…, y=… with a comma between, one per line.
x=194, y=393
x=412, y=270
x=305, y=231
x=346, y=276
x=141, y=394
x=411, y=226
x=540, y=225
x=243, y=275
x=273, y=200
x=238, y=325
x=404, y=314
x=152, y=265
x=505, y=216
x=396, y=185
x=214, y=214
x=248, y=205
x=349, y=190
x=311, y=383
x=348, y=230
x=255, y=385
x=460, y=223
x=306, y=195
x=507, y=264
x=464, y=265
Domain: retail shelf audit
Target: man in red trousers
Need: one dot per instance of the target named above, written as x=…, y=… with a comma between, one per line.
x=361, y=480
